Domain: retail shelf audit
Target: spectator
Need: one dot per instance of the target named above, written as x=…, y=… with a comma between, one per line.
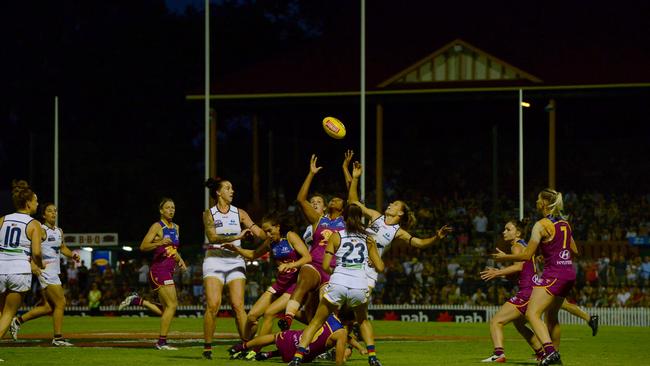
x=82, y=276
x=480, y=222
x=143, y=274
x=94, y=299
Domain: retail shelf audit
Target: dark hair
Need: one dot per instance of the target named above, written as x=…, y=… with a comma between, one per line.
x=43, y=207
x=353, y=216
x=21, y=193
x=277, y=218
x=521, y=225
x=163, y=201
x=214, y=184
x=407, y=220
x=316, y=194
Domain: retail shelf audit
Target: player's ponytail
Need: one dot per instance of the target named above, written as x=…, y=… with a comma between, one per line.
x=353, y=219
x=21, y=193
x=407, y=220
x=554, y=202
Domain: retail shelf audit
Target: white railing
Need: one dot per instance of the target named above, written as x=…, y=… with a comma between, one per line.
x=627, y=317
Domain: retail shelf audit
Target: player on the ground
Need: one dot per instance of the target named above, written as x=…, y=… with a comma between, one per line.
x=289, y=252
x=348, y=284
x=312, y=276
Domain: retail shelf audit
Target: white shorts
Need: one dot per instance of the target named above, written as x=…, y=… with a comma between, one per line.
x=372, y=277
x=48, y=278
x=16, y=282
x=341, y=295
x=224, y=269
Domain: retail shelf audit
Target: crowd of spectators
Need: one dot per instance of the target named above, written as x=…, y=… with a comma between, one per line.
x=447, y=273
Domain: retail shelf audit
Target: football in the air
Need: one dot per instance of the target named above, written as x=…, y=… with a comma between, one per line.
x=333, y=127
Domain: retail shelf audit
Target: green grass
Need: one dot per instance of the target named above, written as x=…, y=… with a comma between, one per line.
x=459, y=344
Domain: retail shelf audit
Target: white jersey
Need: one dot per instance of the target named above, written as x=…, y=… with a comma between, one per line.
x=15, y=246
x=383, y=235
x=308, y=236
x=225, y=224
x=351, y=261
x=50, y=249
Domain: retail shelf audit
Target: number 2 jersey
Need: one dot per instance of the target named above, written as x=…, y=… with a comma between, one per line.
x=15, y=246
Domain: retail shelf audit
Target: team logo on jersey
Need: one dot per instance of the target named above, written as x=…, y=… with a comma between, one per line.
x=51, y=238
x=218, y=223
x=374, y=227
x=536, y=280
x=565, y=254
x=326, y=235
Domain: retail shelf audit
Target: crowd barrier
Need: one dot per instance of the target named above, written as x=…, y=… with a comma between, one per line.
x=627, y=317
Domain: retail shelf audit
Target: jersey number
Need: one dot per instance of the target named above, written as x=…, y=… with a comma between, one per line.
x=564, y=231
x=12, y=237
x=351, y=247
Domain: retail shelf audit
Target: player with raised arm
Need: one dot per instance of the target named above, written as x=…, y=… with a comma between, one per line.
x=391, y=225
x=348, y=284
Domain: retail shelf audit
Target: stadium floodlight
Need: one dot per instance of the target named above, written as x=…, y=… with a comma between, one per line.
x=88, y=249
x=525, y=104
x=127, y=248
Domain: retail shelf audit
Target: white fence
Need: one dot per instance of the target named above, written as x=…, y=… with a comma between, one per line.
x=627, y=317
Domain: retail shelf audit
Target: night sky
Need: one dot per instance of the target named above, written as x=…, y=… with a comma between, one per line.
x=122, y=70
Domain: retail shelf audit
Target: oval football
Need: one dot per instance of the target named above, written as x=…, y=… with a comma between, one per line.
x=333, y=127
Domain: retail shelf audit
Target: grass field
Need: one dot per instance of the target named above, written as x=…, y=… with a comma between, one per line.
x=129, y=341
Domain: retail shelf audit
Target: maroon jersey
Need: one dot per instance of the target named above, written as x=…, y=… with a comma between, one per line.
x=288, y=341
x=325, y=228
x=558, y=257
x=162, y=260
x=283, y=252
x=526, y=275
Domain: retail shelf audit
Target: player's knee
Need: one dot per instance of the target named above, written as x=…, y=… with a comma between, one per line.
x=212, y=307
x=252, y=318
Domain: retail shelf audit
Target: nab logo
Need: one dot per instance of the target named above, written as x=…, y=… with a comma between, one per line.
x=565, y=254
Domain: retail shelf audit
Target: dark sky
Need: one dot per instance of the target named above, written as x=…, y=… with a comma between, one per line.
x=128, y=136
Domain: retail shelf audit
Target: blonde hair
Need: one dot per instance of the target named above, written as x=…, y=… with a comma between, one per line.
x=554, y=202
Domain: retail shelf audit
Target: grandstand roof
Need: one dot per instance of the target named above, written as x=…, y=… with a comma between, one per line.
x=417, y=49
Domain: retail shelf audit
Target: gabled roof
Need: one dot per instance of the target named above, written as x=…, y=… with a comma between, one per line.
x=458, y=61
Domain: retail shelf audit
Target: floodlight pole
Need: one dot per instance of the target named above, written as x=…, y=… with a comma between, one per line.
x=521, y=154
x=56, y=156
x=363, y=101
x=206, y=196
